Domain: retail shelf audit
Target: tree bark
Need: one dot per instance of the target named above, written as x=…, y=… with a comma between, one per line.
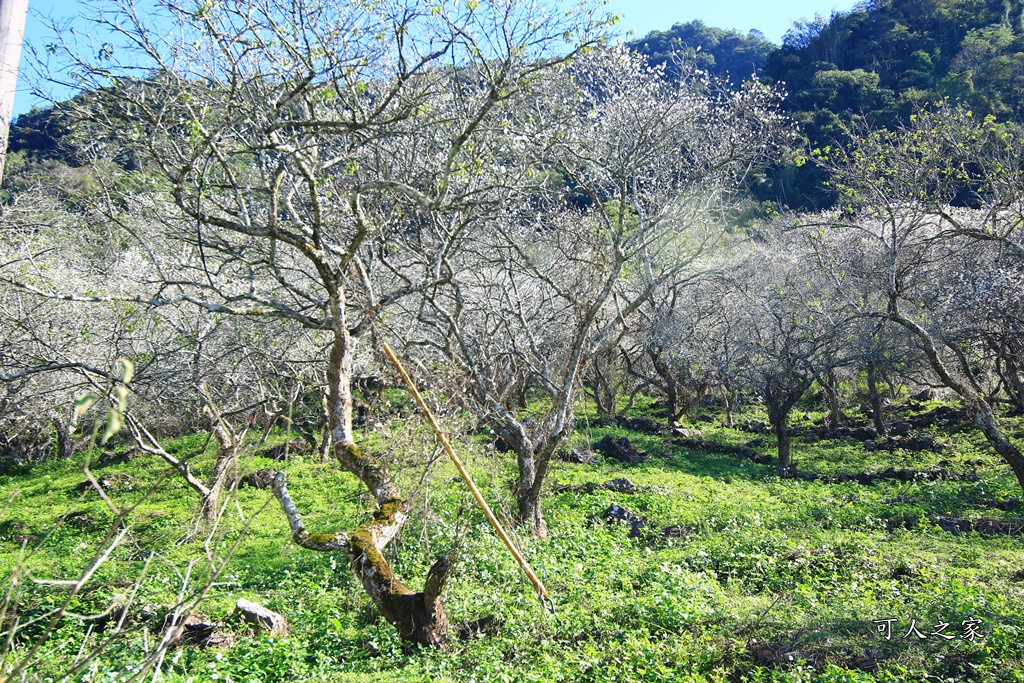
x=219, y=476
x=1009, y=372
x=528, y=490
x=982, y=411
x=875, y=398
x=728, y=400
x=66, y=436
x=419, y=617
x=779, y=419
x=830, y=387
x=986, y=420
x=606, y=395
x=530, y=514
x=781, y=395
x=670, y=386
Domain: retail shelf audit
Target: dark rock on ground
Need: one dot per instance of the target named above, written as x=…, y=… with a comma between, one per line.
x=260, y=479
x=869, y=478
x=902, y=571
x=617, y=513
x=644, y=424
x=756, y=427
x=916, y=444
x=79, y=520
x=724, y=449
x=863, y=433
x=200, y=632
x=943, y=416
x=899, y=428
x=114, y=481
x=478, y=628
x=124, y=457
x=907, y=523
x=579, y=457
x=1008, y=505
x=293, y=447
x=619, y=449
x=924, y=395
x=621, y=485
x=501, y=446
x=676, y=531
x=986, y=526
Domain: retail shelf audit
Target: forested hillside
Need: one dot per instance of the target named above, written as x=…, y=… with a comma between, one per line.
x=873, y=66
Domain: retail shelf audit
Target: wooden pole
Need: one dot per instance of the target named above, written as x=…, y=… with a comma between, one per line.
x=12, y=34
x=541, y=591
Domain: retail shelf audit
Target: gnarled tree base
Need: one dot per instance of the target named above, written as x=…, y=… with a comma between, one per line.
x=419, y=617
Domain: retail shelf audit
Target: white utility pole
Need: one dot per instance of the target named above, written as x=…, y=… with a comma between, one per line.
x=12, y=34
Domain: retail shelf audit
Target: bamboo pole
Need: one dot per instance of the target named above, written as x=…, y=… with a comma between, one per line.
x=541, y=591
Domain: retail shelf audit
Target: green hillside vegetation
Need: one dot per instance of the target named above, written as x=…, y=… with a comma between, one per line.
x=719, y=51
x=872, y=66
x=738, y=363
x=735, y=573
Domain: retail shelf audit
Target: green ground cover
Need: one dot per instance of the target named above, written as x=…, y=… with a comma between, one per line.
x=761, y=579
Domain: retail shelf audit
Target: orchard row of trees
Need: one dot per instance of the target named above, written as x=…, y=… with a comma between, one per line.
x=529, y=213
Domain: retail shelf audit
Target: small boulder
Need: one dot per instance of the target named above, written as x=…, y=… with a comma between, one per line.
x=260, y=479
x=280, y=451
x=197, y=631
x=647, y=425
x=579, y=456
x=863, y=433
x=621, y=485
x=261, y=617
x=899, y=428
x=619, y=449
x=924, y=395
x=617, y=513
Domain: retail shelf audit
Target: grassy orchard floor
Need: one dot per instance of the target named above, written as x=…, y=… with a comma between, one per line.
x=771, y=580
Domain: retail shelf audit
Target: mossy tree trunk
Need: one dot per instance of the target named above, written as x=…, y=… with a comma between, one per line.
x=66, y=436
x=419, y=617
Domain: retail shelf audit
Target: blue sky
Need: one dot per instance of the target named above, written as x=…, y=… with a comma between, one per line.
x=772, y=18
x=638, y=16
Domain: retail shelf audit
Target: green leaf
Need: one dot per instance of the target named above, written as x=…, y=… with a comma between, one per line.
x=115, y=420
x=128, y=370
x=84, y=402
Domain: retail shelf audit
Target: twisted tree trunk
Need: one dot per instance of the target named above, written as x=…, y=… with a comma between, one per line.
x=419, y=617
